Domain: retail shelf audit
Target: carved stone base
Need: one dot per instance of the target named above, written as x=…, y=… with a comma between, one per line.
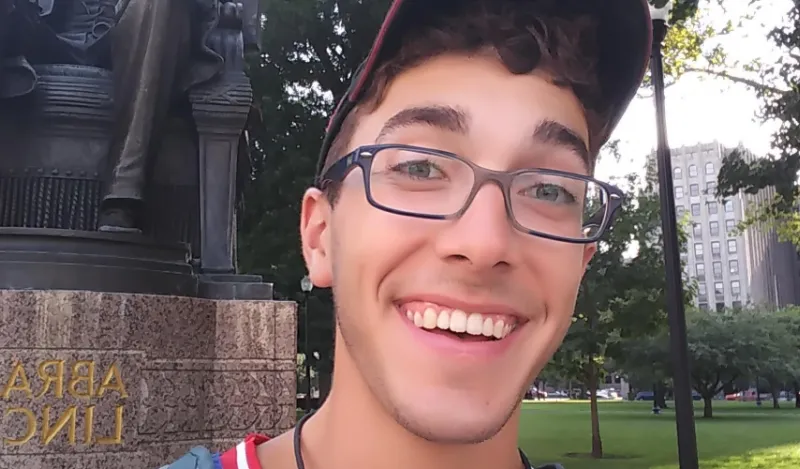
x=94, y=380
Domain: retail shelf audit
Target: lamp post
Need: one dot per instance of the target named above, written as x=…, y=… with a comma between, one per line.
x=684, y=412
x=306, y=286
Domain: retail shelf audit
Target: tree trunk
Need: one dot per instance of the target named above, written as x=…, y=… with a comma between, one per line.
x=707, y=409
x=597, y=442
x=660, y=396
x=797, y=394
x=775, y=394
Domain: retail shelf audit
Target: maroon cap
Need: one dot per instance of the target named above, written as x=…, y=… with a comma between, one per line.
x=624, y=36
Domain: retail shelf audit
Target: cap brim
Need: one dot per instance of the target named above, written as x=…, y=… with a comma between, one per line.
x=625, y=40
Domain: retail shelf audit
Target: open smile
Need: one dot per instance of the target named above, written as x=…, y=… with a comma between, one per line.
x=460, y=330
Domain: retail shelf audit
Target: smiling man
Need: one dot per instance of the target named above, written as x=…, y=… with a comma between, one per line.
x=454, y=216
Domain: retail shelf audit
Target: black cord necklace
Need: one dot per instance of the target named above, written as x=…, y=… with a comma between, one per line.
x=298, y=455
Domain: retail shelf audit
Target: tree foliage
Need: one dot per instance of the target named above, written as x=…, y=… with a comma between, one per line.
x=728, y=347
x=310, y=49
x=779, y=91
x=622, y=295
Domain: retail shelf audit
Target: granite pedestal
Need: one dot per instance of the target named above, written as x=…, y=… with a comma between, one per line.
x=96, y=380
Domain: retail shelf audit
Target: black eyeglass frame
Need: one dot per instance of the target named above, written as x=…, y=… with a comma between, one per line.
x=362, y=157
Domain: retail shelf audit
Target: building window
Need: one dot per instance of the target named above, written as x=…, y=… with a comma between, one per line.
x=701, y=289
x=694, y=190
x=733, y=267
x=716, y=249
x=680, y=211
x=737, y=305
x=719, y=289
x=717, y=269
x=698, y=250
x=692, y=171
x=711, y=188
x=736, y=288
x=732, y=248
x=677, y=173
x=678, y=192
x=730, y=225
x=701, y=270
x=713, y=227
x=720, y=307
x=696, y=210
x=728, y=206
x=703, y=306
x=712, y=208
x=697, y=230
x=710, y=169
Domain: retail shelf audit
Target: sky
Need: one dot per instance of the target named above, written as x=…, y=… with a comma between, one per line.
x=700, y=108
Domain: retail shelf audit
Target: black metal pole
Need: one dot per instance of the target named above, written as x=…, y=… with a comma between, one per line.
x=684, y=412
x=307, y=353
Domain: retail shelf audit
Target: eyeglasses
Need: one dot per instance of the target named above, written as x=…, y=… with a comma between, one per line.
x=437, y=185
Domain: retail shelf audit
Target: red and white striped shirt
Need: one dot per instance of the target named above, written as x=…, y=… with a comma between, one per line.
x=243, y=456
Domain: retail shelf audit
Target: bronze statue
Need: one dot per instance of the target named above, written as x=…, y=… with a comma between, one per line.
x=127, y=118
x=157, y=50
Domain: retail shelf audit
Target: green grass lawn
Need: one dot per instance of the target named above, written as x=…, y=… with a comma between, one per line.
x=740, y=436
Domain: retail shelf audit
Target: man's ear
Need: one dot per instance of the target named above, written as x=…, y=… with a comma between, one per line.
x=588, y=253
x=315, y=218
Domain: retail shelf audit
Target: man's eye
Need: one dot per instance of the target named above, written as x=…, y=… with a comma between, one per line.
x=418, y=170
x=550, y=193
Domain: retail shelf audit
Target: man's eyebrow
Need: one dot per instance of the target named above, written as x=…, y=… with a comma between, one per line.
x=550, y=132
x=446, y=118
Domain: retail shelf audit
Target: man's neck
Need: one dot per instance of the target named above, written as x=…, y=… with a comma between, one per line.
x=352, y=429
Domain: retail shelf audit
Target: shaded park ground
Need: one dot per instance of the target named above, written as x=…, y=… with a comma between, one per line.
x=740, y=436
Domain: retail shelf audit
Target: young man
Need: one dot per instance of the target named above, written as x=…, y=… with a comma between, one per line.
x=454, y=217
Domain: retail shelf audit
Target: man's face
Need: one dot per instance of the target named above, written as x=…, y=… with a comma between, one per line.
x=439, y=386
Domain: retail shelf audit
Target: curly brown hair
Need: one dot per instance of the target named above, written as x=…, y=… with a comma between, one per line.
x=525, y=36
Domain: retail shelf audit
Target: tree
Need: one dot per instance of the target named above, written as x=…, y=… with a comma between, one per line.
x=647, y=362
x=723, y=347
x=781, y=363
x=621, y=296
x=728, y=346
x=310, y=49
x=779, y=90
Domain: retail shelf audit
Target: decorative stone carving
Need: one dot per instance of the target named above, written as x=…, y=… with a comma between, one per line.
x=135, y=381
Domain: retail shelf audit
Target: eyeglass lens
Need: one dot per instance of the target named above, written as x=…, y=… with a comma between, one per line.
x=436, y=185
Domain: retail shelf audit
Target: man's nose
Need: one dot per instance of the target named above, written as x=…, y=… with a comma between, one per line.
x=482, y=236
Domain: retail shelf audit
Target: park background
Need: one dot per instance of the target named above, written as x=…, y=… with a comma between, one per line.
x=730, y=79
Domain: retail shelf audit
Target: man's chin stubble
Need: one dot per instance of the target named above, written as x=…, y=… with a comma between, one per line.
x=447, y=437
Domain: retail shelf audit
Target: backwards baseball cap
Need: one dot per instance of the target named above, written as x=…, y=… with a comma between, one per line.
x=624, y=39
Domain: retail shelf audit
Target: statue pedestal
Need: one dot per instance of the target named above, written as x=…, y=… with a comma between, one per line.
x=94, y=380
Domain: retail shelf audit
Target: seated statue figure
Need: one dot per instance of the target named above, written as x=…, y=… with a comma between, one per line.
x=157, y=50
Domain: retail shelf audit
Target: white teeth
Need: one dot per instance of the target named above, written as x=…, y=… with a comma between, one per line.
x=458, y=321
x=429, y=319
x=488, y=328
x=444, y=320
x=499, y=329
x=418, y=321
x=475, y=324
